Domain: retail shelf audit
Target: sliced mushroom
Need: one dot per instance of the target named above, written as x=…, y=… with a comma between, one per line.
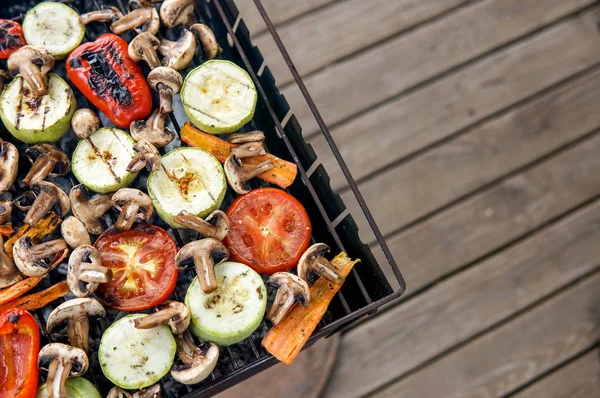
x=38, y=260
x=148, y=392
x=166, y=82
x=146, y=155
x=313, y=260
x=152, y=130
x=237, y=174
x=290, y=288
x=61, y=361
x=9, y=274
x=249, y=144
x=6, y=206
x=106, y=14
x=84, y=123
x=4, y=77
x=133, y=204
x=177, y=12
x=74, y=232
x=24, y=201
x=143, y=47
x=136, y=18
x=208, y=40
x=172, y=313
x=33, y=63
x=85, y=271
x=204, y=253
x=48, y=197
x=90, y=210
x=178, y=54
x=216, y=224
x=75, y=314
x=48, y=161
x=197, y=364
x=9, y=165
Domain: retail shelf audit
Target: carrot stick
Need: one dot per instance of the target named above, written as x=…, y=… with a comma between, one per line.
x=18, y=289
x=38, y=300
x=6, y=229
x=283, y=174
x=286, y=339
x=46, y=226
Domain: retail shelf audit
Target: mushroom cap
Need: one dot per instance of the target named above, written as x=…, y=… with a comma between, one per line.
x=62, y=163
x=167, y=76
x=132, y=195
x=89, y=213
x=200, y=369
x=237, y=174
x=29, y=54
x=203, y=247
x=6, y=207
x=207, y=39
x=174, y=313
x=83, y=282
x=147, y=155
x=175, y=12
x=177, y=55
x=24, y=201
x=152, y=130
x=74, y=232
x=296, y=284
x=30, y=264
x=63, y=204
x=9, y=165
x=84, y=123
x=77, y=357
x=142, y=41
x=74, y=308
x=313, y=259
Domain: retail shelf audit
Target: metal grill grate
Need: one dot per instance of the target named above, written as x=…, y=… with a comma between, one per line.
x=365, y=289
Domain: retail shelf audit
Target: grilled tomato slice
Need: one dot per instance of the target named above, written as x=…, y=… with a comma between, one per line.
x=142, y=261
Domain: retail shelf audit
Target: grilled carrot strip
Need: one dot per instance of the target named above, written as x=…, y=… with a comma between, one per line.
x=46, y=226
x=286, y=339
x=6, y=229
x=18, y=289
x=283, y=174
x=38, y=300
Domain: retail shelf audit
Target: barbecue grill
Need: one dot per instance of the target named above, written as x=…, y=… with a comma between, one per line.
x=366, y=288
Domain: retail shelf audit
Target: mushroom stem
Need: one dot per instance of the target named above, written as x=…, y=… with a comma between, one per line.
x=151, y=57
x=78, y=331
x=205, y=228
x=166, y=98
x=158, y=318
x=105, y=15
x=326, y=270
x=284, y=299
x=127, y=216
x=251, y=171
x=42, y=204
x=186, y=349
x=244, y=138
x=58, y=372
x=146, y=155
x=94, y=273
x=39, y=170
x=9, y=164
x=205, y=270
x=47, y=249
x=157, y=120
x=34, y=79
x=132, y=20
x=249, y=149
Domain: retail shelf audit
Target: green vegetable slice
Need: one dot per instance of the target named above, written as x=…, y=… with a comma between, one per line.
x=77, y=387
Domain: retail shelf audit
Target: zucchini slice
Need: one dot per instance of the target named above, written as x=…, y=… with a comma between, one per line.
x=188, y=179
x=219, y=97
x=77, y=387
x=37, y=119
x=100, y=162
x=233, y=311
x=54, y=26
x=136, y=358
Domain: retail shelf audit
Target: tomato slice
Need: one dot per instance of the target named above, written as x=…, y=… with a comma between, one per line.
x=19, y=347
x=269, y=230
x=11, y=37
x=142, y=261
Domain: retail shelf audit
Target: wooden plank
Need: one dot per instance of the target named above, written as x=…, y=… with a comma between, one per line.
x=508, y=357
x=579, y=379
x=489, y=220
x=452, y=312
x=444, y=107
x=381, y=72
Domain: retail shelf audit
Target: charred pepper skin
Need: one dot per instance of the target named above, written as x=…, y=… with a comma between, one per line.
x=109, y=79
x=11, y=37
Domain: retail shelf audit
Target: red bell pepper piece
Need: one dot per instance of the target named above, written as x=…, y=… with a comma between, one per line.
x=109, y=79
x=19, y=347
x=11, y=37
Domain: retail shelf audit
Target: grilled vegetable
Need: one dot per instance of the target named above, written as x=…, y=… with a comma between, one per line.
x=135, y=358
x=38, y=300
x=19, y=346
x=18, y=289
x=77, y=387
x=219, y=97
x=188, y=179
x=34, y=119
x=54, y=26
x=103, y=71
x=11, y=37
x=233, y=311
x=100, y=162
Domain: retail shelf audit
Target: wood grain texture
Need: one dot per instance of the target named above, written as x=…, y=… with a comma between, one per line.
x=487, y=221
x=457, y=101
x=381, y=72
x=579, y=379
x=452, y=312
x=517, y=352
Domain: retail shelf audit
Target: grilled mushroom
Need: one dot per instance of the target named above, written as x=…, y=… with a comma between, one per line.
x=24, y=201
x=90, y=210
x=177, y=12
x=133, y=204
x=216, y=224
x=74, y=232
x=313, y=260
x=6, y=206
x=204, y=253
x=166, y=82
x=249, y=144
x=75, y=314
x=146, y=155
x=148, y=392
x=9, y=274
x=9, y=165
x=86, y=272
x=237, y=174
x=152, y=130
x=137, y=17
x=84, y=123
x=32, y=260
x=172, y=313
x=289, y=289
x=33, y=63
x=178, y=54
x=48, y=197
x=106, y=14
x=48, y=161
x=197, y=364
x=143, y=47
x=61, y=361
x=207, y=39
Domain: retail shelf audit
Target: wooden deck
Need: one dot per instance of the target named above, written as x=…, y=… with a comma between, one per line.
x=473, y=128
